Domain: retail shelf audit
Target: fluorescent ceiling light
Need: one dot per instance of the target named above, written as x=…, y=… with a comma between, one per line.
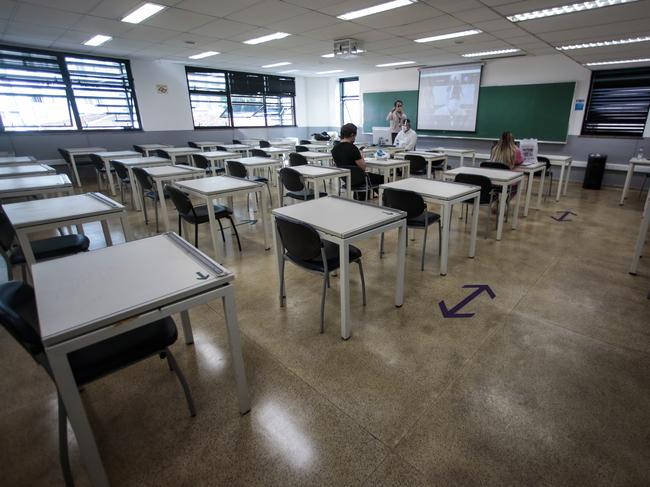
x=98, y=40
x=623, y=61
x=331, y=54
x=491, y=53
x=276, y=65
x=618, y=42
x=400, y=63
x=270, y=37
x=143, y=13
x=204, y=55
x=566, y=9
x=382, y=7
x=331, y=71
x=289, y=71
x=453, y=35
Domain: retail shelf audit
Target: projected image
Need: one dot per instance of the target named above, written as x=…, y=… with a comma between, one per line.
x=448, y=98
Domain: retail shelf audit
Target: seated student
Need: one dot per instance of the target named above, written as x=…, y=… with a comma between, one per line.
x=506, y=151
x=407, y=138
x=345, y=153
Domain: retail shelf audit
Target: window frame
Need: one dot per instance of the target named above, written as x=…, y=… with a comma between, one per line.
x=76, y=118
x=343, y=98
x=230, y=95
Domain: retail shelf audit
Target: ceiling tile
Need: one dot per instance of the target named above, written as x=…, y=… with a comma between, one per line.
x=100, y=25
x=451, y=6
x=216, y=8
x=7, y=8
x=224, y=29
x=179, y=20
x=303, y=23
x=76, y=6
x=400, y=16
x=477, y=15
x=431, y=27
x=117, y=9
x=45, y=16
x=337, y=31
x=267, y=12
x=147, y=33
x=34, y=31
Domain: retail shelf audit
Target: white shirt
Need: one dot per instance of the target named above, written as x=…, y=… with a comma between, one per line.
x=406, y=140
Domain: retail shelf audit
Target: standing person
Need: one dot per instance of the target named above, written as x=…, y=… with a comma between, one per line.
x=407, y=138
x=506, y=151
x=396, y=117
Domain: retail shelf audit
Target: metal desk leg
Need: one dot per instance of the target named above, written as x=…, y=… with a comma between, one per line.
x=429, y=162
x=67, y=388
x=462, y=159
x=444, y=249
x=187, y=327
x=640, y=241
x=213, y=227
x=279, y=251
x=568, y=177
x=265, y=218
x=74, y=170
x=348, y=185
x=628, y=180
x=107, y=233
x=109, y=176
x=26, y=247
x=472, y=242
x=515, y=216
x=502, y=210
x=163, y=205
x=473, y=158
x=540, y=191
x=280, y=191
x=529, y=191
x=235, y=350
x=135, y=190
x=344, y=284
x=559, y=182
x=315, y=185
x=80, y=229
x=126, y=229
x=401, y=264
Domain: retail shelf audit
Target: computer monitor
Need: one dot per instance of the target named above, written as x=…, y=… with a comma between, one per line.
x=381, y=136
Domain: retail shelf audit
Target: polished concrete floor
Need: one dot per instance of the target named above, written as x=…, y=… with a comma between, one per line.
x=547, y=384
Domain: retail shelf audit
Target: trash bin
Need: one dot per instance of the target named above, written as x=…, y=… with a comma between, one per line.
x=595, y=171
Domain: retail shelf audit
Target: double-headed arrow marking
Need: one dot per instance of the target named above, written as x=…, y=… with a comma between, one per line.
x=453, y=312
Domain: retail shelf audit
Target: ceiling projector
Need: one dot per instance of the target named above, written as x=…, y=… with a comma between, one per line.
x=347, y=48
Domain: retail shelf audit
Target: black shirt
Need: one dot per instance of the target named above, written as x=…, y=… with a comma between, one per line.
x=345, y=154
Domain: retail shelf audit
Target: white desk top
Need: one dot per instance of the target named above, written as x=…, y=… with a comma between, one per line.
x=181, y=150
x=428, y=188
x=13, y=171
x=495, y=175
x=36, y=212
x=217, y=185
x=340, y=217
x=373, y=162
x=34, y=183
x=116, y=154
x=119, y=282
x=309, y=171
x=258, y=161
x=143, y=161
x=315, y=155
x=153, y=146
x=458, y=151
x=636, y=160
x=218, y=154
x=16, y=159
x=316, y=146
x=237, y=146
x=535, y=166
x=170, y=171
x=426, y=155
x=82, y=151
x=208, y=143
x=557, y=157
x=276, y=150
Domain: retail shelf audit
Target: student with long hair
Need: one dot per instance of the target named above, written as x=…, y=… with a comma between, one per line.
x=506, y=151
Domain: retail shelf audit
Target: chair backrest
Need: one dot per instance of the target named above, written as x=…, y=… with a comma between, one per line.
x=221, y=148
x=291, y=179
x=65, y=155
x=545, y=160
x=121, y=170
x=357, y=175
x=299, y=240
x=259, y=153
x=159, y=153
x=265, y=143
x=235, y=141
x=302, y=148
x=97, y=161
x=296, y=159
x=495, y=165
x=418, y=163
x=193, y=144
x=143, y=178
x=477, y=180
x=138, y=149
x=409, y=201
x=237, y=169
x=201, y=161
x=7, y=232
x=305, y=142
x=18, y=316
x=181, y=201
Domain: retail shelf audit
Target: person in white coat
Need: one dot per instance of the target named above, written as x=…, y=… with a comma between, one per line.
x=396, y=117
x=407, y=138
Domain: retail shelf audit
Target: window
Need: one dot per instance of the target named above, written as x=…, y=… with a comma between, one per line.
x=42, y=90
x=350, y=105
x=618, y=103
x=234, y=99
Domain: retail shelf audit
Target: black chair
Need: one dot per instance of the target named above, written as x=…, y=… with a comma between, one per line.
x=293, y=181
x=264, y=143
x=139, y=149
x=495, y=165
x=122, y=179
x=148, y=190
x=548, y=172
x=512, y=190
x=361, y=185
x=304, y=247
x=222, y=148
x=487, y=197
x=259, y=153
x=296, y=159
x=237, y=169
x=47, y=248
x=160, y=153
x=194, y=144
x=418, y=165
x=235, y=141
x=305, y=142
x=417, y=215
x=100, y=169
x=19, y=317
x=199, y=214
x=302, y=148
x=204, y=163
x=645, y=180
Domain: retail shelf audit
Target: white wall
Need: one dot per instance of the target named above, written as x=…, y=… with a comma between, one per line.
x=322, y=102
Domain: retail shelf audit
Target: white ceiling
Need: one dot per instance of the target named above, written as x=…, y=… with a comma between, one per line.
x=189, y=27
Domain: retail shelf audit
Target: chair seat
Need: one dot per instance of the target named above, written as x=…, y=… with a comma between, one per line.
x=419, y=221
x=103, y=169
x=332, y=256
x=258, y=179
x=154, y=195
x=304, y=195
x=202, y=216
x=49, y=248
x=117, y=352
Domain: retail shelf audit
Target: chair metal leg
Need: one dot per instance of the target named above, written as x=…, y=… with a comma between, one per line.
x=144, y=209
x=424, y=243
x=223, y=237
x=283, y=295
x=322, y=302
x=64, y=459
x=363, y=281
x=381, y=245
x=232, y=225
x=440, y=236
x=180, y=228
x=155, y=203
x=181, y=378
x=196, y=235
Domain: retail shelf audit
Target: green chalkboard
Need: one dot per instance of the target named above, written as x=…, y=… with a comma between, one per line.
x=538, y=111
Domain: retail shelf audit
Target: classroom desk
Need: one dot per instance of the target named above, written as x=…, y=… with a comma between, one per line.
x=259, y=164
x=25, y=171
x=214, y=187
x=214, y=156
x=107, y=157
x=565, y=171
x=75, y=152
x=530, y=170
x=37, y=215
x=392, y=151
x=318, y=147
x=429, y=157
x=174, y=152
x=461, y=153
x=323, y=158
x=446, y=195
x=277, y=152
x=641, y=239
x=388, y=167
x=312, y=175
x=141, y=282
x=170, y=173
x=238, y=148
x=140, y=162
x=35, y=186
x=498, y=177
x=207, y=144
x=630, y=172
x=344, y=222
x=17, y=160
x=145, y=149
